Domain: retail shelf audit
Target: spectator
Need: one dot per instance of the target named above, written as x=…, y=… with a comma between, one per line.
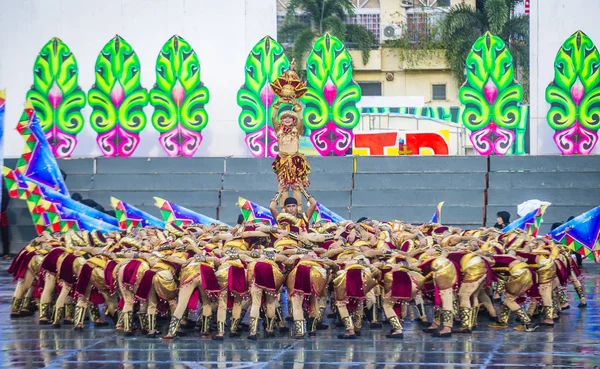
x=502, y=220
x=4, y=222
x=240, y=219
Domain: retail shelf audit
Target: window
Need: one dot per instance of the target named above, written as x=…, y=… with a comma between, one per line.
x=369, y=21
x=370, y=88
x=433, y=3
x=438, y=92
x=424, y=25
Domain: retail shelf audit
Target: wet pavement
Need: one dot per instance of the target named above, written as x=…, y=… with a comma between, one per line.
x=574, y=342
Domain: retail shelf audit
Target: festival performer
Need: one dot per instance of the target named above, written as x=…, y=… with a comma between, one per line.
x=69, y=269
x=91, y=288
x=266, y=275
x=232, y=274
x=25, y=269
x=159, y=281
x=64, y=262
x=297, y=221
x=197, y=274
x=49, y=269
x=290, y=165
x=351, y=285
x=474, y=271
x=401, y=283
x=442, y=275
x=542, y=261
x=306, y=285
x=519, y=279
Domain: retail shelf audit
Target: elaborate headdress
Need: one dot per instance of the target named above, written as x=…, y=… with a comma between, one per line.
x=289, y=86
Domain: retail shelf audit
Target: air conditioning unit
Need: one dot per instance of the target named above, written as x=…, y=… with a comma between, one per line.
x=390, y=32
x=406, y=3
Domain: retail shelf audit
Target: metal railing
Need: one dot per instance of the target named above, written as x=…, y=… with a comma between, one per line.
x=381, y=122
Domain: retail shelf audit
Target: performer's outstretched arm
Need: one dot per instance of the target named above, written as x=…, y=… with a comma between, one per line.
x=312, y=203
x=273, y=204
x=300, y=119
x=274, y=116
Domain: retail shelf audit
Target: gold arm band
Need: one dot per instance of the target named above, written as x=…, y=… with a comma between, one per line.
x=305, y=194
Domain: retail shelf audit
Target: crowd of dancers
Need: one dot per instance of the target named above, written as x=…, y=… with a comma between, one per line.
x=371, y=271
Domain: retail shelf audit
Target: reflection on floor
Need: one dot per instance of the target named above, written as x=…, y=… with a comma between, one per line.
x=573, y=342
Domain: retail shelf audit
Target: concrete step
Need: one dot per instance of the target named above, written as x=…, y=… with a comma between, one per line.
x=544, y=180
x=554, y=163
x=21, y=234
x=319, y=181
x=77, y=166
x=557, y=196
x=79, y=182
x=19, y=215
x=157, y=182
x=159, y=165
x=424, y=197
x=420, y=164
x=188, y=199
x=420, y=214
x=432, y=181
x=263, y=165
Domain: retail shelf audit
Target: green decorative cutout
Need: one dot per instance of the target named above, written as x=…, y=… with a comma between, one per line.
x=179, y=98
x=264, y=64
x=574, y=96
x=118, y=99
x=330, y=111
x=57, y=97
x=491, y=97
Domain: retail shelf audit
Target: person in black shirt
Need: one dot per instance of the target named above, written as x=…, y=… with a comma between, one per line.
x=503, y=219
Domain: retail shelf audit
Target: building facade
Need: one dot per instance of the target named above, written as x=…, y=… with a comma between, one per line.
x=408, y=70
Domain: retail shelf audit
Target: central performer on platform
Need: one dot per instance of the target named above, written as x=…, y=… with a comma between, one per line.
x=290, y=165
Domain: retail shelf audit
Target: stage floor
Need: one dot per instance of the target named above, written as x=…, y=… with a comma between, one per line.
x=573, y=342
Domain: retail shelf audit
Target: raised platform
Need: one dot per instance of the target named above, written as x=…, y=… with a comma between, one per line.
x=405, y=188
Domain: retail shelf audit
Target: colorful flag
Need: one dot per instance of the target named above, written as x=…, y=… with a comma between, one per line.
x=255, y=213
x=324, y=215
x=129, y=215
x=55, y=197
x=530, y=222
x=437, y=216
x=37, y=160
x=62, y=219
x=173, y=213
x=581, y=234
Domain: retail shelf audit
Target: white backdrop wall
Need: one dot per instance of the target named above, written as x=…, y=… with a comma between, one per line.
x=551, y=23
x=221, y=32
